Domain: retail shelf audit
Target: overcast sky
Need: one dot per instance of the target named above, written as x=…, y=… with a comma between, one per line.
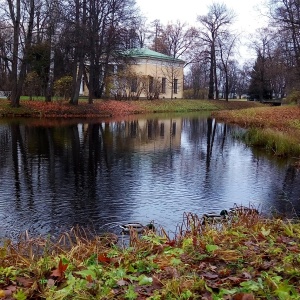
x=248, y=15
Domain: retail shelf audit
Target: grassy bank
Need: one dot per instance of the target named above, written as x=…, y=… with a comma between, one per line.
x=244, y=257
x=276, y=129
x=108, y=108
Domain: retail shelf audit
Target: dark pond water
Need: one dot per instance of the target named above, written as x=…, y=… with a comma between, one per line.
x=56, y=174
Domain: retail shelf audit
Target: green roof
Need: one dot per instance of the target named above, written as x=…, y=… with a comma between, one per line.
x=147, y=53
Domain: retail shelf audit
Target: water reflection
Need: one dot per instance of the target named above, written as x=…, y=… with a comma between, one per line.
x=96, y=173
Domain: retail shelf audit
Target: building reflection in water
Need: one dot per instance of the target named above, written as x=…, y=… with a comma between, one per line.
x=56, y=175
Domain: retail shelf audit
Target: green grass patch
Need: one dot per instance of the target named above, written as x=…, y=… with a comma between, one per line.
x=176, y=105
x=273, y=141
x=295, y=124
x=33, y=98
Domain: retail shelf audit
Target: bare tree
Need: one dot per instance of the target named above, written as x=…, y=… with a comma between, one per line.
x=213, y=24
x=243, y=79
x=21, y=15
x=6, y=34
x=174, y=39
x=107, y=23
x=53, y=26
x=285, y=19
x=196, y=79
x=32, y=49
x=135, y=36
x=155, y=35
x=260, y=77
x=226, y=43
x=80, y=41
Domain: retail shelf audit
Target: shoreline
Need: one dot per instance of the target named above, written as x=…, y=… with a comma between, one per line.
x=111, y=108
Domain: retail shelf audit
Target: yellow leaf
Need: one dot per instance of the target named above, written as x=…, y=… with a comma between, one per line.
x=2, y=294
x=265, y=232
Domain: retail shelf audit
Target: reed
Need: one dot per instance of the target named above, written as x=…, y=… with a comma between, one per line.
x=276, y=142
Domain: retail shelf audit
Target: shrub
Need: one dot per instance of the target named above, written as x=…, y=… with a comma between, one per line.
x=32, y=85
x=293, y=97
x=63, y=87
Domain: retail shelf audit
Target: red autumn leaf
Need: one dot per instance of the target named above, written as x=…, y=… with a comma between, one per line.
x=171, y=243
x=89, y=278
x=103, y=258
x=59, y=272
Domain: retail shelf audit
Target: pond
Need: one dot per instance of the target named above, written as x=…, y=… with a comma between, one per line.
x=55, y=174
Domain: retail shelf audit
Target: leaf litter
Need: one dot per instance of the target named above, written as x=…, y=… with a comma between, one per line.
x=244, y=256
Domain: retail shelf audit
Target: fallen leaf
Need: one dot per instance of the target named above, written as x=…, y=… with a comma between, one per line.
x=294, y=248
x=265, y=232
x=235, y=280
x=213, y=268
x=25, y=282
x=207, y=296
x=210, y=275
x=283, y=239
x=171, y=272
x=247, y=275
x=242, y=296
x=156, y=284
x=122, y=282
x=103, y=258
x=59, y=272
x=202, y=265
x=8, y=291
x=50, y=283
x=170, y=243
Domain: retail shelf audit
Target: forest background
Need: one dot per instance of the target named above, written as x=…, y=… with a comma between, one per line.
x=45, y=46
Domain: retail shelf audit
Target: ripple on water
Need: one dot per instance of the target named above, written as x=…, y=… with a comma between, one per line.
x=119, y=179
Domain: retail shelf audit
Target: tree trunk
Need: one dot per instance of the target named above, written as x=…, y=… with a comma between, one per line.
x=18, y=80
x=211, y=76
x=80, y=38
x=75, y=97
x=16, y=17
x=215, y=72
x=226, y=85
x=49, y=88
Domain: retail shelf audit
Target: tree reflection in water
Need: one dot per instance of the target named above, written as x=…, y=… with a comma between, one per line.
x=100, y=174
